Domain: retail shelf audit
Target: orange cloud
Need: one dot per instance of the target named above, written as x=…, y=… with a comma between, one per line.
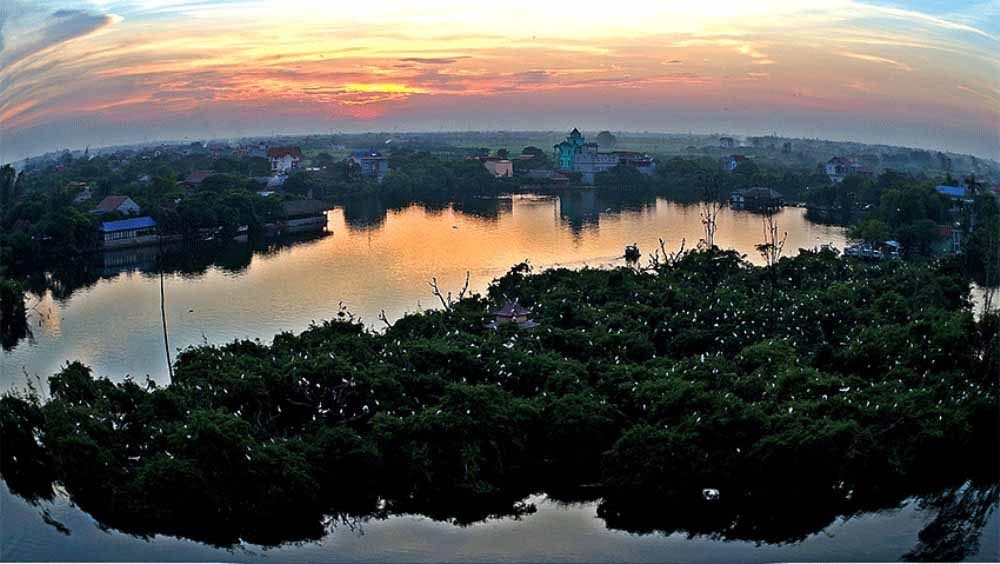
x=353, y=65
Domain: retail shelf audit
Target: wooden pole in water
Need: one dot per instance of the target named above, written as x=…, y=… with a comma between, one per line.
x=163, y=311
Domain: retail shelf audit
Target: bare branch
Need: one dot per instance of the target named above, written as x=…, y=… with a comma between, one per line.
x=710, y=206
x=448, y=301
x=773, y=245
x=662, y=257
x=384, y=319
x=461, y=295
x=343, y=312
x=445, y=303
x=674, y=258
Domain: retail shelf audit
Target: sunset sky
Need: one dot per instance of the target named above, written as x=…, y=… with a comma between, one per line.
x=103, y=72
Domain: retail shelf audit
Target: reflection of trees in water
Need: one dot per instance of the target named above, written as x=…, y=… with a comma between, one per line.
x=187, y=260
x=491, y=209
x=12, y=331
x=953, y=534
x=13, y=314
x=364, y=214
x=579, y=210
x=768, y=516
x=829, y=216
x=961, y=513
x=582, y=209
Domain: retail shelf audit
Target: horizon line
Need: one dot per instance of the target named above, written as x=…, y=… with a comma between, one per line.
x=207, y=139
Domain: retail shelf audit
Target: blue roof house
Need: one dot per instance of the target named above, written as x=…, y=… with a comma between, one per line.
x=958, y=192
x=132, y=232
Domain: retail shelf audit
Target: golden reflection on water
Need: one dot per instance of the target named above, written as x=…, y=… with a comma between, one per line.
x=44, y=315
x=374, y=259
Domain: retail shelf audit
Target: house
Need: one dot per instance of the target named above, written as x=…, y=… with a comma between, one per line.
x=960, y=193
x=756, y=199
x=218, y=150
x=643, y=162
x=251, y=151
x=131, y=232
x=284, y=159
x=949, y=239
x=499, y=167
x=730, y=163
x=839, y=168
x=119, y=204
x=512, y=312
x=196, y=177
x=727, y=142
x=371, y=164
x=575, y=154
x=83, y=192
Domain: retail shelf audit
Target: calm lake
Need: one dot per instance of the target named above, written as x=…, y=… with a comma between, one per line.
x=374, y=259
x=371, y=259
x=555, y=532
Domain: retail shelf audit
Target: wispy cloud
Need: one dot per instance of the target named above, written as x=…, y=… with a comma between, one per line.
x=432, y=60
x=915, y=16
x=990, y=96
x=164, y=61
x=877, y=59
x=58, y=28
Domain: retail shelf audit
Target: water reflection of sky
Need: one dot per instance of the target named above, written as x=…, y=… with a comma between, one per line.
x=557, y=532
x=376, y=258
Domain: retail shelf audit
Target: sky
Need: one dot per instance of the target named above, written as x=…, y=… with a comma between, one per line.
x=101, y=72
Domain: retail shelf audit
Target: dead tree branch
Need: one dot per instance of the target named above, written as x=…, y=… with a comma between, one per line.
x=384, y=319
x=662, y=257
x=710, y=206
x=345, y=313
x=446, y=299
x=773, y=245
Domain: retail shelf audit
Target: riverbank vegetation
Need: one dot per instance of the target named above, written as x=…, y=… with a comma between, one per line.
x=43, y=223
x=815, y=387
x=685, y=179
x=891, y=206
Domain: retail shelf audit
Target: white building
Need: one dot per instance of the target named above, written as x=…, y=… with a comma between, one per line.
x=576, y=155
x=839, y=168
x=284, y=159
x=499, y=167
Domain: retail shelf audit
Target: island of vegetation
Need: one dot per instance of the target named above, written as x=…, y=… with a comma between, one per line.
x=697, y=393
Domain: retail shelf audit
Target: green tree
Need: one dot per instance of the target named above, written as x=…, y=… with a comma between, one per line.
x=8, y=185
x=606, y=139
x=870, y=231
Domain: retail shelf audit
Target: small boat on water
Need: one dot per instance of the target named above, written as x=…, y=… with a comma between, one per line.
x=632, y=253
